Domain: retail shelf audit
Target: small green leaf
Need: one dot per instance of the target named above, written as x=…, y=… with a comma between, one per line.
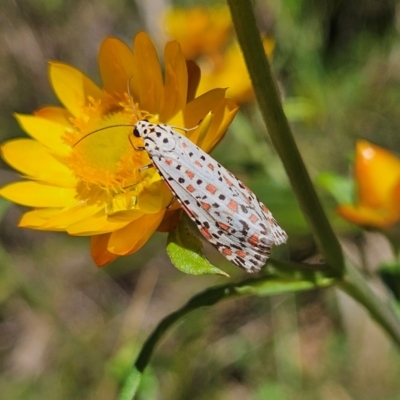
x=341, y=188
x=185, y=252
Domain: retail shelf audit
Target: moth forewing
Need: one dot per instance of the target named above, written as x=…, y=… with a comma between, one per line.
x=226, y=212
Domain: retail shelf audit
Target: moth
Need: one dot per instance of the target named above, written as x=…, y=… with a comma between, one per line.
x=226, y=212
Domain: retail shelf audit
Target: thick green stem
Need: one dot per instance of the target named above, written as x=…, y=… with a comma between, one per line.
x=281, y=136
x=280, y=133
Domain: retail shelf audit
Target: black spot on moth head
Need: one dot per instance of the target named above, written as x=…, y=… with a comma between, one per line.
x=165, y=140
x=136, y=132
x=158, y=134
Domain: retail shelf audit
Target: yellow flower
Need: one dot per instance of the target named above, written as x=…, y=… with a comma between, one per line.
x=377, y=178
x=206, y=34
x=89, y=183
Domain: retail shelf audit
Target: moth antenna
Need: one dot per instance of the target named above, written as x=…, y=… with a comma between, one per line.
x=102, y=129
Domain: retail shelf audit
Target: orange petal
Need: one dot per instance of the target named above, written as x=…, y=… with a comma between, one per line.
x=117, y=66
x=170, y=221
x=366, y=216
x=35, y=194
x=135, y=235
x=149, y=74
x=47, y=132
x=72, y=87
x=194, y=75
x=176, y=81
x=34, y=160
x=98, y=246
x=377, y=172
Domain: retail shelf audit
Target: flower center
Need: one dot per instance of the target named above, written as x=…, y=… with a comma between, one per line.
x=104, y=158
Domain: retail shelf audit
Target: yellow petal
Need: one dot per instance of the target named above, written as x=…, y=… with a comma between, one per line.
x=377, y=172
x=197, y=109
x=95, y=225
x=35, y=194
x=72, y=215
x=100, y=254
x=72, y=87
x=149, y=74
x=117, y=66
x=55, y=114
x=34, y=160
x=154, y=197
x=49, y=133
x=135, y=235
x=223, y=115
x=176, y=81
x=36, y=218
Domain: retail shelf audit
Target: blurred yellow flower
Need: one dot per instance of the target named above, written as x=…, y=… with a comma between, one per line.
x=377, y=178
x=91, y=184
x=206, y=35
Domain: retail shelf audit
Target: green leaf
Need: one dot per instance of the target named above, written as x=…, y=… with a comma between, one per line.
x=185, y=252
x=341, y=188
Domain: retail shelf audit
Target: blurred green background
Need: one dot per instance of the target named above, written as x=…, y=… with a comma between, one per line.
x=69, y=330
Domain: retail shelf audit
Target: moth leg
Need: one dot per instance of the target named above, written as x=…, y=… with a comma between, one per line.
x=139, y=148
x=146, y=167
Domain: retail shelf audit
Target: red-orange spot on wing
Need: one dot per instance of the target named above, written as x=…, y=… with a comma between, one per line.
x=253, y=239
x=210, y=188
x=233, y=206
x=253, y=218
x=223, y=226
x=206, y=206
x=199, y=164
x=226, y=251
x=228, y=181
x=190, y=174
x=241, y=253
x=206, y=233
x=211, y=166
x=168, y=161
x=190, y=188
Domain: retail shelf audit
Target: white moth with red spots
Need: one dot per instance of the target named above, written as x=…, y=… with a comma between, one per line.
x=227, y=213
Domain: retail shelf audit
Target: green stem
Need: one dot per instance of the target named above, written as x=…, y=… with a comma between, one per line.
x=279, y=131
x=281, y=136
x=292, y=274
